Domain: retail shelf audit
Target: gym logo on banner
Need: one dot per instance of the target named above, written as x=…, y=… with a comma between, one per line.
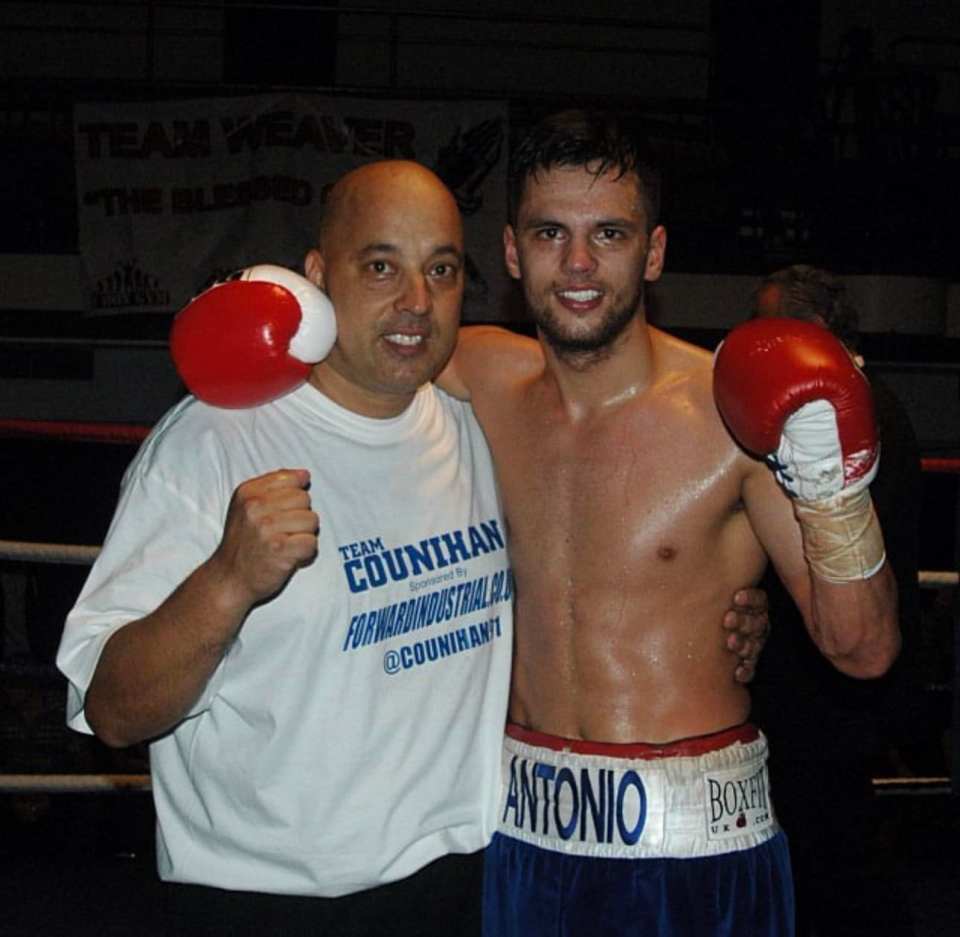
x=129, y=287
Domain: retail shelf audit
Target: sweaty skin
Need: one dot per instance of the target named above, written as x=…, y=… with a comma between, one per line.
x=632, y=513
x=625, y=555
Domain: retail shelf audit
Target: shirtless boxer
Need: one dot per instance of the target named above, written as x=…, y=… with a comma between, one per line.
x=632, y=514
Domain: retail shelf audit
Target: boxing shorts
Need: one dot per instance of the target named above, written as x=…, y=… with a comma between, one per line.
x=663, y=840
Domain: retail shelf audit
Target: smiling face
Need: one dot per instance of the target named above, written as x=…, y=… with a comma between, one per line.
x=391, y=260
x=581, y=249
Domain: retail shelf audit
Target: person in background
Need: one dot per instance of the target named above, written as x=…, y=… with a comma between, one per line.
x=845, y=874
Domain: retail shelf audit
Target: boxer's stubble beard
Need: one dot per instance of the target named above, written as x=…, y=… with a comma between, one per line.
x=583, y=349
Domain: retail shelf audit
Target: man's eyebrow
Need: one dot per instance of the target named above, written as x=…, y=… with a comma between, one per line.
x=546, y=222
x=542, y=221
x=447, y=249
x=380, y=248
x=388, y=248
x=625, y=222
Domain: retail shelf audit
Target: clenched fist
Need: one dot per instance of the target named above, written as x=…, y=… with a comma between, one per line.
x=270, y=532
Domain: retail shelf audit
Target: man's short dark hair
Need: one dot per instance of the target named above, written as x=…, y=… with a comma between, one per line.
x=594, y=140
x=807, y=292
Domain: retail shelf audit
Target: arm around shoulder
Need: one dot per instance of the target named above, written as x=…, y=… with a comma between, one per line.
x=482, y=354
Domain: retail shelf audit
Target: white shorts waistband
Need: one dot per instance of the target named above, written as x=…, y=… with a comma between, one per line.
x=599, y=805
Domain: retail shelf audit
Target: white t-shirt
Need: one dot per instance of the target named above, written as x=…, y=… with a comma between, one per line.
x=352, y=732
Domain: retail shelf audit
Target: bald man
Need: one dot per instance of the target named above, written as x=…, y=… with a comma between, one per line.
x=324, y=712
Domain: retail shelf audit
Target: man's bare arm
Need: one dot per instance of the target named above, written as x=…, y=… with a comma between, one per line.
x=154, y=669
x=854, y=624
x=485, y=355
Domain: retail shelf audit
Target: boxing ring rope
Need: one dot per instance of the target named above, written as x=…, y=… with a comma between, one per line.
x=26, y=552
x=75, y=432
x=80, y=555
x=74, y=783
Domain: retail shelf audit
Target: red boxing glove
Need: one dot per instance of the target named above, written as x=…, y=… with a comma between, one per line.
x=790, y=391
x=254, y=338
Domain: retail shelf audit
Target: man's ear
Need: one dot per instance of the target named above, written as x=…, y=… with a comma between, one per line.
x=314, y=268
x=656, y=253
x=510, y=255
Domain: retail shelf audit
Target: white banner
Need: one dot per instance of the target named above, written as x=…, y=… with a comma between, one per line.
x=174, y=195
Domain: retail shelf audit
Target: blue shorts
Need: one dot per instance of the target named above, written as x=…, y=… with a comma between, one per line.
x=671, y=841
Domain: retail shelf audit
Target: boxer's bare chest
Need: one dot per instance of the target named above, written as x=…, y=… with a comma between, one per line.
x=621, y=526
x=641, y=484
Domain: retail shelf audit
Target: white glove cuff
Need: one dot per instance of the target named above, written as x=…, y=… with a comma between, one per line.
x=810, y=463
x=842, y=540
x=318, y=324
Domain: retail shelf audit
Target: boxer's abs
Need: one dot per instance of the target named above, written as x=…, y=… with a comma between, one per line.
x=608, y=666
